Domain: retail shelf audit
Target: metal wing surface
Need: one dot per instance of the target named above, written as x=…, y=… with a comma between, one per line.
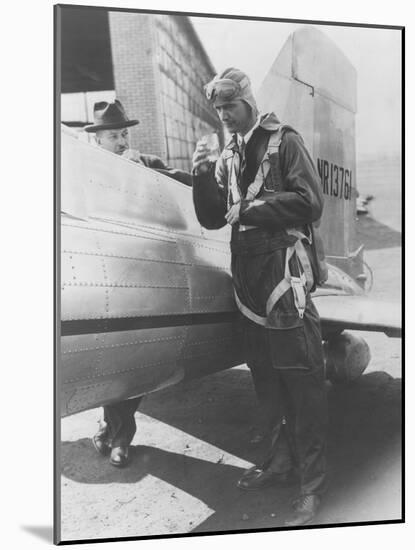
x=340, y=312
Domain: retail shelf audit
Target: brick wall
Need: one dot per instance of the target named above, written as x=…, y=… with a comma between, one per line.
x=134, y=59
x=159, y=73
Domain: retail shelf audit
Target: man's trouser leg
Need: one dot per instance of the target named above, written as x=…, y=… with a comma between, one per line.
x=265, y=382
x=280, y=457
x=304, y=429
x=263, y=375
x=301, y=424
x=120, y=421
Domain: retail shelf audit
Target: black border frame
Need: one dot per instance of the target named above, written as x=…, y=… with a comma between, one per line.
x=56, y=270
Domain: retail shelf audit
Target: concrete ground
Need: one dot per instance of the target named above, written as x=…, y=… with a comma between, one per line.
x=192, y=444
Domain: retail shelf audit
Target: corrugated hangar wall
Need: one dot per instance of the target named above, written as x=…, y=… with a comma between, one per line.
x=155, y=64
x=159, y=70
x=183, y=71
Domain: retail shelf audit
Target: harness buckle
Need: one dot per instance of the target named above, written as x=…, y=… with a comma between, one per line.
x=299, y=295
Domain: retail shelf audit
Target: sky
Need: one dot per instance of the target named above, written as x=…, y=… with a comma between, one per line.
x=375, y=53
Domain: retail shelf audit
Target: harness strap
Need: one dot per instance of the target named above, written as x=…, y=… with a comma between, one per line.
x=303, y=256
x=234, y=195
x=249, y=313
x=298, y=284
x=276, y=294
x=264, y=166
x=305, y=263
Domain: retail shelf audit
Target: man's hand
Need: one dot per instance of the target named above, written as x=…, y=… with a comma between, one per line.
x=200, y=159
x=132, y=154
x=232, y=215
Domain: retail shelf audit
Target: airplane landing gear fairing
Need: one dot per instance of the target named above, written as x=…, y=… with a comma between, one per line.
x=347, y=357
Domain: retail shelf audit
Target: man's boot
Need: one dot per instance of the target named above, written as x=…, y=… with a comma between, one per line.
x=120, y=456
x=305, y=509
x=100, y=441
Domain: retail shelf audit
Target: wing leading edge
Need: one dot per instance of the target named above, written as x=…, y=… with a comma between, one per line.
x=339, y=312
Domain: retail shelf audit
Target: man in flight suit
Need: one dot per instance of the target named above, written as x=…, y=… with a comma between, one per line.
x=266, y=187
x=117, y=428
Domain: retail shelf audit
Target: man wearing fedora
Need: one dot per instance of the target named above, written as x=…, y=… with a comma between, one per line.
x=265, y=185
x=111, y=133
x=118, y=426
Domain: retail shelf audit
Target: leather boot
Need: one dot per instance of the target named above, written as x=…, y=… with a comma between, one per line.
x=305, y=509
x=256, y=478
x=100, y=443
x=119, y=456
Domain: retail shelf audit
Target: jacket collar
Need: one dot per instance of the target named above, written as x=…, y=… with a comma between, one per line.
x=269, y=122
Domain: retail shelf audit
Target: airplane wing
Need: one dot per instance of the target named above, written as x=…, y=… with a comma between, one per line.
x=146, y=294
x=339, y=312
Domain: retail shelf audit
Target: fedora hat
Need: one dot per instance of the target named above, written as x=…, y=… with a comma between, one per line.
x=109, y=116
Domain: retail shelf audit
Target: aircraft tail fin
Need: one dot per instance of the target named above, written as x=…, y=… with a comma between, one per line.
x=312, y=86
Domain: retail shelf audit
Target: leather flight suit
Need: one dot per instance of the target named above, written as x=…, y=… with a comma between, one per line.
x=285, y=354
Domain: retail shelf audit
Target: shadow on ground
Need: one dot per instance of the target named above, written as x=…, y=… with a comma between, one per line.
x=365, y=424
